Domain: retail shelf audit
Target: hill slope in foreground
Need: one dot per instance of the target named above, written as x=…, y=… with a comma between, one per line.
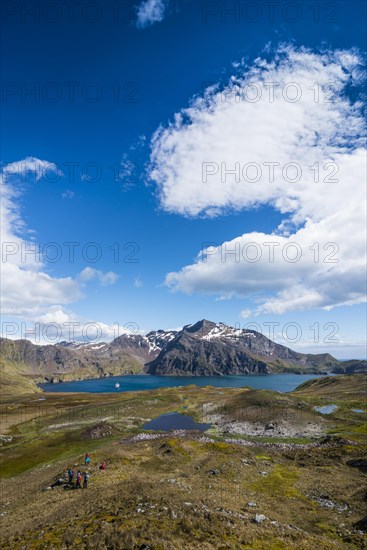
x=202, y=349
x=271, y=472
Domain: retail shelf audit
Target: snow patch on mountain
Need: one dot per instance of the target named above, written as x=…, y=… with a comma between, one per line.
x=223, y=331
x=158, y=339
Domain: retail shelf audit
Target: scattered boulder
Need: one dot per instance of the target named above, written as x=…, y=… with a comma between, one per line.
x=334, y=441
x=5, y=439
x=325, y=501
x=259, y=518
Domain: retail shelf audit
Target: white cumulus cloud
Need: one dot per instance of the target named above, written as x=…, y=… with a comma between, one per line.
x=89, y=273
x=150, y=12
x=283, y=133
x=27, y=290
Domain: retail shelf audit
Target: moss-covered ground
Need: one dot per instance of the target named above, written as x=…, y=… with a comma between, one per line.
x=184, y=490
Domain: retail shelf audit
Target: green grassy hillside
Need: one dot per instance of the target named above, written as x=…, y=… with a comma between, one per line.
x=14, y=379
x=342, y=388
x=185, y=490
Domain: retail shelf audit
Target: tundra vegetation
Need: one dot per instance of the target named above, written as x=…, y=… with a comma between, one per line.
x=271, y=472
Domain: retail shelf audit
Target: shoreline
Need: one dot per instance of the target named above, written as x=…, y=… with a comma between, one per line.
x=208, y=378
x=140, y=375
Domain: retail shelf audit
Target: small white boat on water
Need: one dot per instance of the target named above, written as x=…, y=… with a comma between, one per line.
x=117, y=386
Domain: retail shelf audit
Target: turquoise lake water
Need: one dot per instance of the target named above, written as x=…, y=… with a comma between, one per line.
x=277, y=382
x=326, y=409
x=175, y=421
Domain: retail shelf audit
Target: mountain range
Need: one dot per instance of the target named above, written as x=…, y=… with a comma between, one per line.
x=202, y=349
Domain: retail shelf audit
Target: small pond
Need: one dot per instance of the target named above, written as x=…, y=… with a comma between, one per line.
x=175, y=421
x=326, y=409
x=358, y=410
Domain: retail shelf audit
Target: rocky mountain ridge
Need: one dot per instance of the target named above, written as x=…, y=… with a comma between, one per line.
x=202, y=349
x=207, y=348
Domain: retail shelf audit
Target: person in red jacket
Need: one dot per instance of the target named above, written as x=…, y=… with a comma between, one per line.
x=79, y=480
x=103, y=466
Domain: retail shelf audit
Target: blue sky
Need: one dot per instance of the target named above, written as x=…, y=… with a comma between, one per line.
x=131, y=73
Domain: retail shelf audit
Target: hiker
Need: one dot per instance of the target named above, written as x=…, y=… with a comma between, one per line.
x=87, y=459
x=103, y=466
x=79, y=480
x=71, y=475
x=86, y=479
